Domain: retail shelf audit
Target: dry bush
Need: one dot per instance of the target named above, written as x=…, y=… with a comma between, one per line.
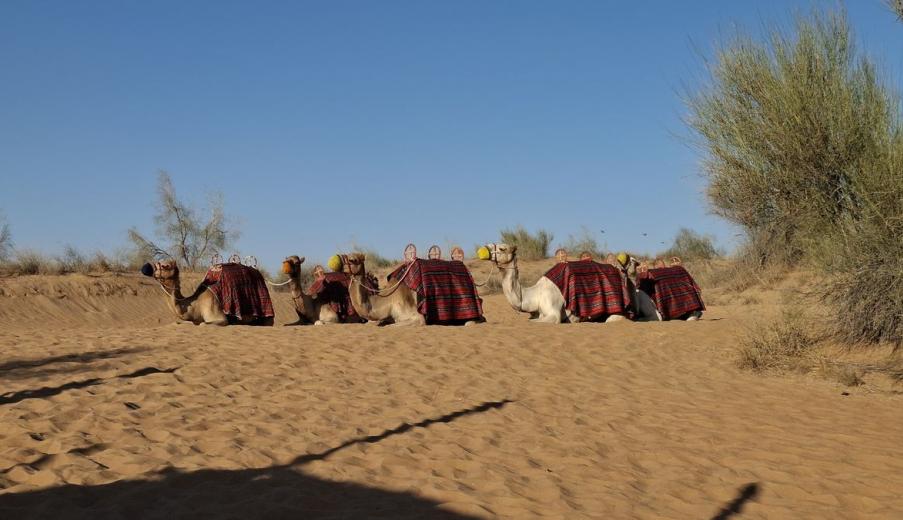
x=576, y=244
x=6, y=239
x=374, y=260
x=530, y=246
x=692, y=246
x=735, y=274
x=785, y=345
x=29, y=262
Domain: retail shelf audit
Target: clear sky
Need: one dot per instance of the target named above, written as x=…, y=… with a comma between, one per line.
x=381, y=123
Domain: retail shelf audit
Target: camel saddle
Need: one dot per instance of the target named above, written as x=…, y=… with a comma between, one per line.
x=445, y=289
x=673, y=290
x=591, y=290
x=241, y=291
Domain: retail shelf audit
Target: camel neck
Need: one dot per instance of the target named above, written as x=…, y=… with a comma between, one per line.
x=511, y=286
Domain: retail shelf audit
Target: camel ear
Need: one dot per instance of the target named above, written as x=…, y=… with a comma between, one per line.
x=512, y=249
x=301, y=260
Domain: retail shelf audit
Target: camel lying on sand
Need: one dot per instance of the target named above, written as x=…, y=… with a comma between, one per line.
x=544, y=300
x=646, y=306
x=397, y=306
x=202, y=307
x=308, y=308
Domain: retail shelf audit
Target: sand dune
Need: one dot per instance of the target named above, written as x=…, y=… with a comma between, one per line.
x=107, y=409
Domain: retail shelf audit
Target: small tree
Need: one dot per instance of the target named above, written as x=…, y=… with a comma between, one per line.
x=190, y=239
x=786, y=125
x=6, y=239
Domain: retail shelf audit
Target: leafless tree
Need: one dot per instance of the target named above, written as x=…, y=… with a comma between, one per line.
x=190, y=238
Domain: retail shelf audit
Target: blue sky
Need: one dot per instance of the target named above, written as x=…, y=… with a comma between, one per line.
x=378, y=123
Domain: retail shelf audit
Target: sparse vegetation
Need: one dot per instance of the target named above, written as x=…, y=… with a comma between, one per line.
x=788, y=126
x=530, y=246
x=583, y=242
x=6, y=239
x=191, y=239
x=692, y=246
x=804, y=150
x=779, y=347
x=374, y=260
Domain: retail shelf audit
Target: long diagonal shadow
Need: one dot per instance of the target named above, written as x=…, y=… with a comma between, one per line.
x=401, y=428
x=48, y=391
x=735, y=506
x=83, y=357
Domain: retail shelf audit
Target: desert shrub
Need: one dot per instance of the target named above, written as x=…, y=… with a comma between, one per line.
x=584, y=241
x=6, y=239
x=27, y=261
x=530, y=246
x=690, y=245
x=781, y=346
x=786, y=125
x=73, y=261
x=373, y=259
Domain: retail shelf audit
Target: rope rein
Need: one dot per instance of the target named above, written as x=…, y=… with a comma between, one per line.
x=378, y=291
x=492, y=270
x=274, y=284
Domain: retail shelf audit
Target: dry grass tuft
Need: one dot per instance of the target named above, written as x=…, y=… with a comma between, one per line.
x=782, y=346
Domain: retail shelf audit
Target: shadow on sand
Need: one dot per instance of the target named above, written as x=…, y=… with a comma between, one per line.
x=276, y=492
x=735, y=506
x=24, y=368
x=48, y=391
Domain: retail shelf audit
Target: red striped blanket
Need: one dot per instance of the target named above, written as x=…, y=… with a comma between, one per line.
x=241, y=291
x=332, y=288
x=591, y=290
x=445, y=289
x=673, y=290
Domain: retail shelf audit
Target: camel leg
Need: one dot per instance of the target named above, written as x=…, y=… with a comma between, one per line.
x=220, y=323
x=548, y=318
x=410, y=322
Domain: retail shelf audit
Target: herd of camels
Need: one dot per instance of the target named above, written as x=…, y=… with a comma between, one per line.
x=399, y=304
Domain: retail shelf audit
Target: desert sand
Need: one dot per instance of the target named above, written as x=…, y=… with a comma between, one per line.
x=109, y=410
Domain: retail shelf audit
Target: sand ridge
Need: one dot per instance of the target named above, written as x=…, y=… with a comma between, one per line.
x=508, y=419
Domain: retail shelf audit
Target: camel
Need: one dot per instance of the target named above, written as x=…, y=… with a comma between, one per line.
x=201, y=308
x=544, y=300
x=398, y=306
x=645, y=305
x=309, y=309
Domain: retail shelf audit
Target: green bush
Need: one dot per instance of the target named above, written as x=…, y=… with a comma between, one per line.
x=804, y=150
x=787, y=125
x=530, y=246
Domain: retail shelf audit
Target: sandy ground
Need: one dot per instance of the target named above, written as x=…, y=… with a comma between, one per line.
x=109, y=410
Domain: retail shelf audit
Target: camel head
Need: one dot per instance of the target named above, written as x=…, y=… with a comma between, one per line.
x=354, y=264
x=166, y=270
x=501, y=254
x=292, y=265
